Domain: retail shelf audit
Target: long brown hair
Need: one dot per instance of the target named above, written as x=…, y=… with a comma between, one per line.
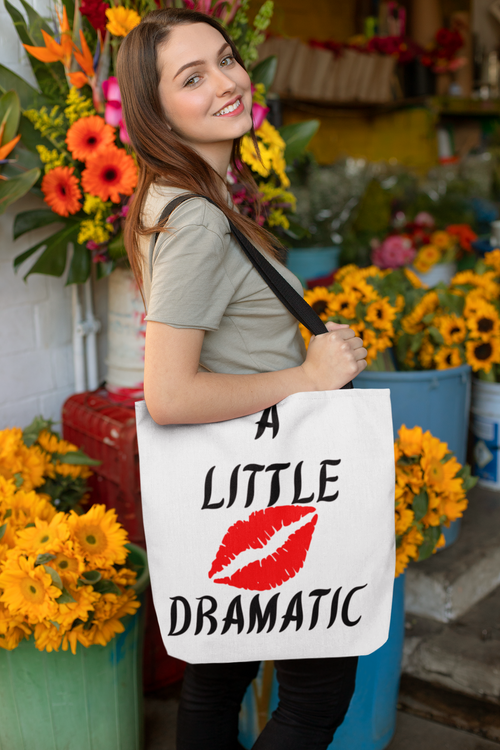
x=162, y=155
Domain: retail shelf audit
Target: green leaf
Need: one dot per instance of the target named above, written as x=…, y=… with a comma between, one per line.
x=8, y=514
x=297, y=137
x=44, y=558
x=105, y=269
x=436, y=335
x=88, y=624
x=79, y=269
x=14, y=188
x=53, y=259
x=56, y=578
x=26, y=221
x=3, y=529
x=31, y=138
x=36, y=24
x=91, y=577
x=431, y=538
x=116, y=248
x=65, y=597
x=420, y=505
x=107, y=587
x=265, y=71
x=76, y=458
x=18, y=479
x=10, y=113
x=30, y=97
x=32, y=431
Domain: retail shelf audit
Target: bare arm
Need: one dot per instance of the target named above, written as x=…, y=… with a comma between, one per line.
x=176, y=393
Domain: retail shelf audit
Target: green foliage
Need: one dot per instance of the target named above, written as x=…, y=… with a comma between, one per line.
x=52, y=261
x=33, y=430
x=431, y=538
x=265, y=71
x=373, y=216
x=10, y=113
x=26, y=221
x=14, y=188
x=420, y=505
x=246, y=36
x=297, y=137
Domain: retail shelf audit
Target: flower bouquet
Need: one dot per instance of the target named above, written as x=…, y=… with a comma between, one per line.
x=431, y=489
x=72, y=129
x=64, y=576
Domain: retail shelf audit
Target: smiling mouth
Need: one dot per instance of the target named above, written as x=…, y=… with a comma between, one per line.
x=229, y=108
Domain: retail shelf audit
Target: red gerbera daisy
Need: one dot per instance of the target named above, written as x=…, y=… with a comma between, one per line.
x=61, y=191
x=109, y=174
x=87, y=135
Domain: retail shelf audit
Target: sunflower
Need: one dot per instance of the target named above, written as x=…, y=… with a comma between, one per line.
x=87, y=135
x=319, y=299
x=410, y=440
x=427, y=257
x=412, y=323
x=452, y=328
x=482, y=355
x=98, y=537
x=355, y=283
x=344, y=303
x=481, y=282
x=61, y=191
x=306, y=334
x=43, y=534
x=441, y=477
x=492, y=259
x=446, y=357
x=68, y=563
x=404, y=519
x=121, y=20
x=381, y=314
x=400, y=303
x=108, y=613
x=109, y=174
x=12, y=629
x=441, y=240
x=85, y=600
x=484, y=322
x=28, y=590
x=370, y=343
x=426, y=354
x=413, y=279
x=407, y=549
x=48, y=637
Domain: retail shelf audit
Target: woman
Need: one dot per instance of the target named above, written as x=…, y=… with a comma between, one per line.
x=187, y=103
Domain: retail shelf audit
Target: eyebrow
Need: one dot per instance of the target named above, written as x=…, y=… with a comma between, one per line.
x=200, y=62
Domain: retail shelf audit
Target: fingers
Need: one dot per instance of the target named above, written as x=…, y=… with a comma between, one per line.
x=360, y=354
x=335, y=326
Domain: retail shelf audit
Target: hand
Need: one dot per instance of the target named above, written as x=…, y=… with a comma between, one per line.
x=334, y=358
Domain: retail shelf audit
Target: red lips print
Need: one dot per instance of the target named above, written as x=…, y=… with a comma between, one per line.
x=257, y=532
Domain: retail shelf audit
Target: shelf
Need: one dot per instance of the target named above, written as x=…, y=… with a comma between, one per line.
x=439, y=105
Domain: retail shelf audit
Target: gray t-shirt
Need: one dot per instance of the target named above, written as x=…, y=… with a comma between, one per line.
x=198, y=276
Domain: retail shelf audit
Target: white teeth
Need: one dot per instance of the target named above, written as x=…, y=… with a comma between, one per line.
x=228, y=109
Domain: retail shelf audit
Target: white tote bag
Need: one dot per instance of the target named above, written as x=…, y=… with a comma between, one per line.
x=272, y=536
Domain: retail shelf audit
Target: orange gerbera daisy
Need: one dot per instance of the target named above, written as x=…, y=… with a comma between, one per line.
x=109, y=174
x=61, y=191
x=87, y=135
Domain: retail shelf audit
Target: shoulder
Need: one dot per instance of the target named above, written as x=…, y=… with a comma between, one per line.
x=194, y=212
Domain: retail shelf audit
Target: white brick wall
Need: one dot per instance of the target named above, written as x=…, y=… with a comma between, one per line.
x=36, y=354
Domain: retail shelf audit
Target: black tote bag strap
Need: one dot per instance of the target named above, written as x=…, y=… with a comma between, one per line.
x=291, y=299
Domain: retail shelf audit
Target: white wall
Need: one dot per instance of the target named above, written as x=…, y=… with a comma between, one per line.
x=36, y=359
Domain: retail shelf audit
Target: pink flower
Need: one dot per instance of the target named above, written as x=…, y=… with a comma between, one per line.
x=259, y=114
x=424, y=219
x=393, y=252
x=113, y=111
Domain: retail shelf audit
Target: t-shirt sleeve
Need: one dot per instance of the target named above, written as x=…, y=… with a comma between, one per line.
x=189, y=284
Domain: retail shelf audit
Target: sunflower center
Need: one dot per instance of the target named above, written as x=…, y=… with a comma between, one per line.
x=436, y=471
x=63, y=564
x=92, y=539
x=485, y=325
x=110, y=174
x=319, y=306
x=32, y=591
x=344, y=305
x=454, y=330
x=483, y=351
x=448, y=359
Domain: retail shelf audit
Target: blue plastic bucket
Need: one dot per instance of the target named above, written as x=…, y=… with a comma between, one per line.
x=371, y=719
x=436, y=400
x=312, y=262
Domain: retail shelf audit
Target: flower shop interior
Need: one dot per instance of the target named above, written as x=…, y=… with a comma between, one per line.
x=378, y=126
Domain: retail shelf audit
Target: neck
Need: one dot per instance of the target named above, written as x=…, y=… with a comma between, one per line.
x=218, y=155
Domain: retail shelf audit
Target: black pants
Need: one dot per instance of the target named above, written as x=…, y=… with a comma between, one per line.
x=314, y=695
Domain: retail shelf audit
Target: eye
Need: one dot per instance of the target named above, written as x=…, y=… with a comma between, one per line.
x=228, y=57
x=191, y=81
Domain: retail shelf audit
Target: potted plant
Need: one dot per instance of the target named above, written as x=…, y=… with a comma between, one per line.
x=70, y=634
x=431, y=488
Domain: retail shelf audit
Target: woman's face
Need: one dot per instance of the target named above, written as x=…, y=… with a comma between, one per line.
x=205, y=93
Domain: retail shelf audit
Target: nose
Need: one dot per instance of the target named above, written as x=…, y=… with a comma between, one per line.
x=224, y=83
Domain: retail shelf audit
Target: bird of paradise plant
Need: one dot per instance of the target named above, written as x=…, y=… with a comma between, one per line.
x=72, y=130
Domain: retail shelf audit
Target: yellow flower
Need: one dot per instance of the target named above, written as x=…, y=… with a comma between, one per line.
x=370, y=343
x=277, y=218
x=446, y=357
x=442, y=240
x=400, y=303
x=36, y=538
x=381, y=314
x=85, y=600
x=481, y=355
x=48, y=637
x=68, y=563
x=413, y=279
x=98, y=537
x=427, y=256
x=346, y=271
x=109, y=611
x=121, y=20
x=452, y=328
x=492, y=259
x=50, y=159
x=72, y=470
x=78, y=106
x=426, y=354
x=12, y=629
x=410, y=440
x=408, y=549
x=306, y=334
x=319, y=299
x=484, y=322
x=482, y=282
x=355, y=283
x=412, y=323
x=344, y=303
x=98, y=232
x=28, y=590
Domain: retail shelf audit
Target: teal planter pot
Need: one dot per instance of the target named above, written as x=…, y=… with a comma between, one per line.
x=312, y=262
x=436, y=400
x=88, y=701
x=370, y=722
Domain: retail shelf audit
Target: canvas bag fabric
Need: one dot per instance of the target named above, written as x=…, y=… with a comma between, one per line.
x=271, y=536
